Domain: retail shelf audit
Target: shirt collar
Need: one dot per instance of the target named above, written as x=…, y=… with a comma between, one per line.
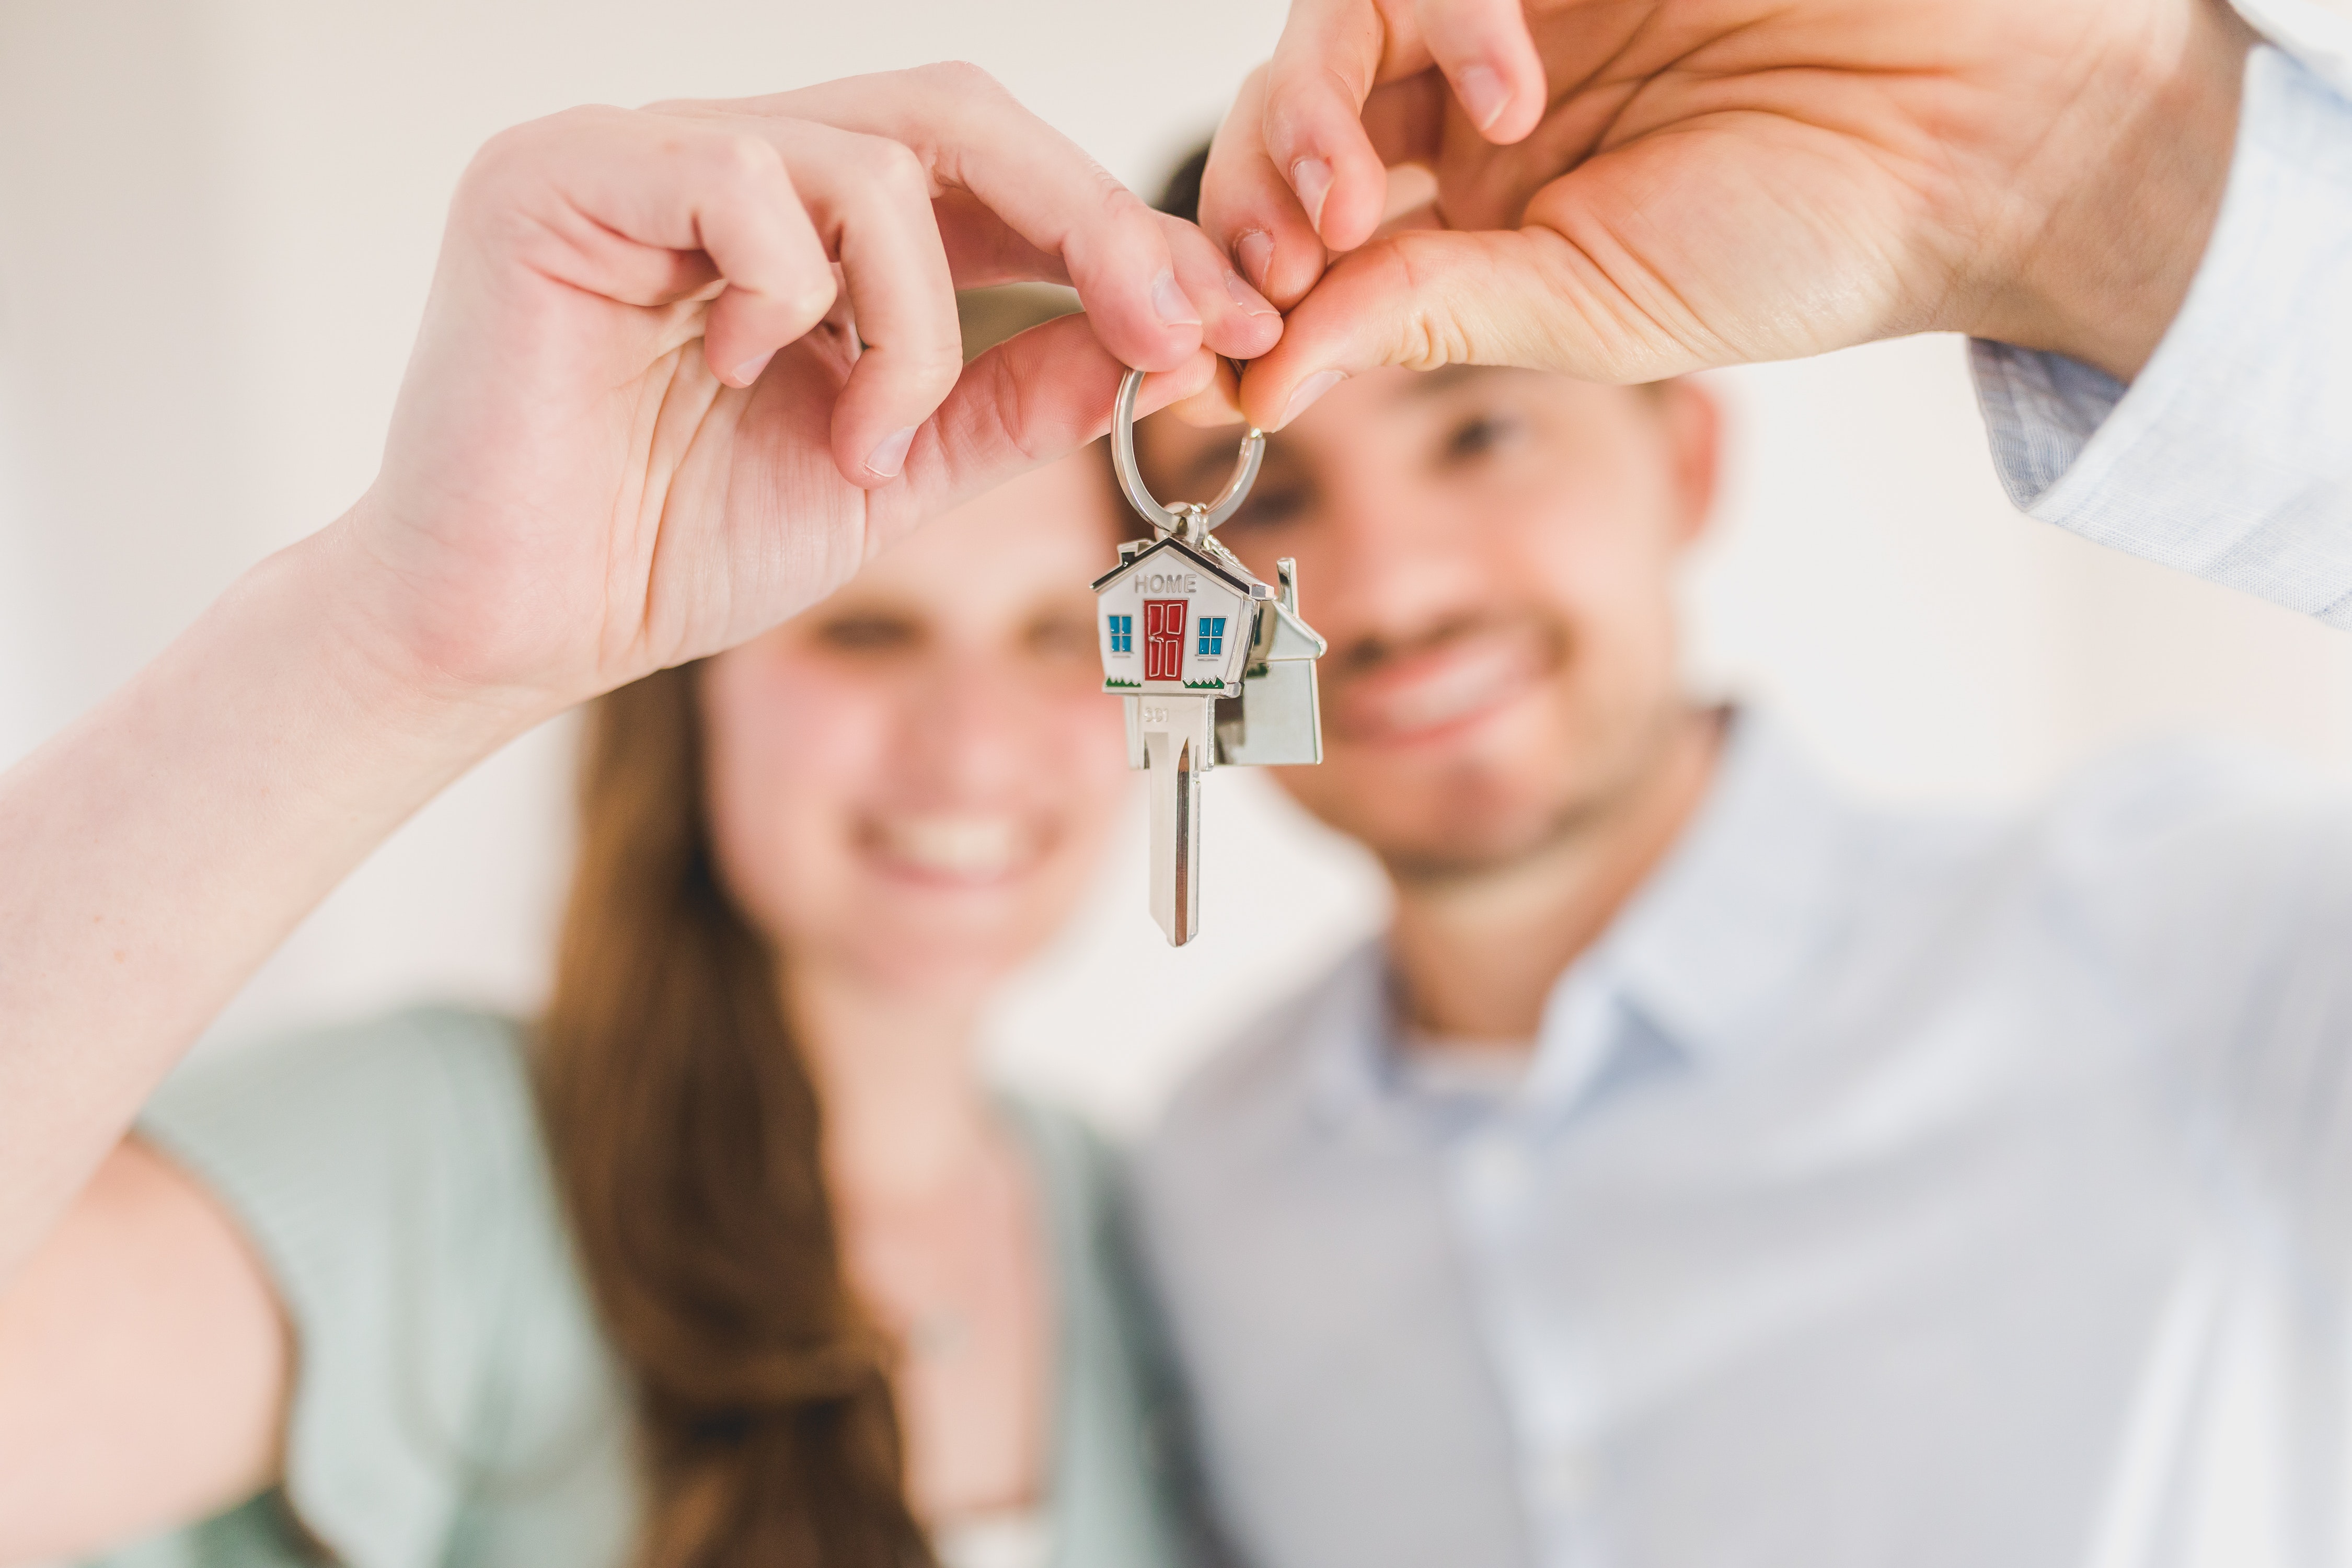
x=1726, y=932
x=1711, y=950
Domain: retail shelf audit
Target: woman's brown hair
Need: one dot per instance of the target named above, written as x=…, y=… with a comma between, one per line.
x=686, y=1133
x=687, y=1137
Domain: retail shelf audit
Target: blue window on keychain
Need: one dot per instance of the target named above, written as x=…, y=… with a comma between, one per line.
x=1213, y=635
x=1122, y=634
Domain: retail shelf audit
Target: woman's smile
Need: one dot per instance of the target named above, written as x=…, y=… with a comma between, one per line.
x=961, y=849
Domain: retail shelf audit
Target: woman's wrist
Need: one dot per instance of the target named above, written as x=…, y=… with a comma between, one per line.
x=420, y=667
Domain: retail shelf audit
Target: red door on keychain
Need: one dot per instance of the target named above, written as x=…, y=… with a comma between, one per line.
x=1163, y=640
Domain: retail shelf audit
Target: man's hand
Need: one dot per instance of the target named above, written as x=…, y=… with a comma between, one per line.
x=685, y=368
x=1705, y=182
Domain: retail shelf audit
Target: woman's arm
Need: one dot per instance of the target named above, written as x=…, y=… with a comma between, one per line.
x=159, y=847
x=145, y=1365
x=682, y=371
x=571, y=496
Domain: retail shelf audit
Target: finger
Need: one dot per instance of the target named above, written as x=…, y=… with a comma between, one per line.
x=982, y=252
x=1031, y=399
x=1216, y=405
x=757, y=233
x=1488, y=57
x=1331, y=55
x=637, y=209
x=1249, y=210
x=870, y=201
x=1431, y=297
x=1236, y=318
x=971, y=135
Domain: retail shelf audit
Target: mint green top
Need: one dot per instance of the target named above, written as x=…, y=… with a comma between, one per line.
x=455, y=1402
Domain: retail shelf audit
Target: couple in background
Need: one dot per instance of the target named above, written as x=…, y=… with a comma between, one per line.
x=1702, y=1170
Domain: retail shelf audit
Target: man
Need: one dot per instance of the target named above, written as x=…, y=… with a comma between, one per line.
x=1704, y=1169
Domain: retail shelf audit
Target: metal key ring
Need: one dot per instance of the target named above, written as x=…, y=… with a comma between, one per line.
x=1188, y=519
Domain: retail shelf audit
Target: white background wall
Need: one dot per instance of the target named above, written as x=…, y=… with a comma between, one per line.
x=216, y=223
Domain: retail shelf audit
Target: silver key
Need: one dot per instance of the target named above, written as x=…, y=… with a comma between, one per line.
x=1214, y=666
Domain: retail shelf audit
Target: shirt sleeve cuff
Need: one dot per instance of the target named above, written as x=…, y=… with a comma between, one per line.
x=2229, y=457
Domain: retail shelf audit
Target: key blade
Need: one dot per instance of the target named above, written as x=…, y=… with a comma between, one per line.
x=1176, y=757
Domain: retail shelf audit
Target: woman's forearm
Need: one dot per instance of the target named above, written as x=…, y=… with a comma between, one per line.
x=155, y=852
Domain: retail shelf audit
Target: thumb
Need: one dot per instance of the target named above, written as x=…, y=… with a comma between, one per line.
x=1425, y=298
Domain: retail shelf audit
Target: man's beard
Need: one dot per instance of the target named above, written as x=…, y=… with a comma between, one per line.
x=1475, y=827
x=1499, y=842
x=1435, y=866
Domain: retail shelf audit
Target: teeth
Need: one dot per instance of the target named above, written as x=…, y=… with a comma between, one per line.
x=1448, y=694
x=953, y=845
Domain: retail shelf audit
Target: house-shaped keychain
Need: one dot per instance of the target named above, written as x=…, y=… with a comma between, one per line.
x=1179, y=621
x=1214, y=666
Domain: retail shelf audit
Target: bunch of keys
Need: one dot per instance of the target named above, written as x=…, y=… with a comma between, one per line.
x=1214, y=666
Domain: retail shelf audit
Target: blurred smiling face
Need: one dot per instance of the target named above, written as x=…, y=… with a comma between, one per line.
x=1491, y=555
x=912, y=778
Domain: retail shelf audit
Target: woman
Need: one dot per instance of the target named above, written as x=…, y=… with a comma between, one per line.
x=734, y=1263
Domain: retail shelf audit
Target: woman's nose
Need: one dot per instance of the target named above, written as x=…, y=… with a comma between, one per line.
x=970, y=727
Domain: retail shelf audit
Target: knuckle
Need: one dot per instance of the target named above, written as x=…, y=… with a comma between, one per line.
x=514, y=149
x=1428, y=335
x=927, y=366
x=809, y=294
x=964, y=80
x=736, y=162
x=1121, y=206
x=890, y=171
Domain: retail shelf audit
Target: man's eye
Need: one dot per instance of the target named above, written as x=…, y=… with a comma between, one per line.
x=1476, y=436
x=868, y=634
x=1269, y=509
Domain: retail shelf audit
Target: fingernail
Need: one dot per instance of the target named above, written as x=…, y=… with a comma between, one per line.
x=1483, y=94
x=1170, y=301
x=1252, y=302
x=1308, y=391
x=889, y=454
x=749, y=370
x=1254, y=251
x=1312, y=178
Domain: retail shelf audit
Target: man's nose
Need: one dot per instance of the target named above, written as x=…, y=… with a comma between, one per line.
x=1400, y=559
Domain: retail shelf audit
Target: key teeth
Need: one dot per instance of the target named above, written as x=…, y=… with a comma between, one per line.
x=1181, y=930
x=1177, y=759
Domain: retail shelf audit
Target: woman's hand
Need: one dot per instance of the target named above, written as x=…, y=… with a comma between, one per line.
x=639, y=427
x=1641, y=187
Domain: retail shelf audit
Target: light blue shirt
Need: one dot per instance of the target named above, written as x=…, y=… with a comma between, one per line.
x=1882, y=1190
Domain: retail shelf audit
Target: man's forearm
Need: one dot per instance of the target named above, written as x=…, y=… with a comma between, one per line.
x=154, y=853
